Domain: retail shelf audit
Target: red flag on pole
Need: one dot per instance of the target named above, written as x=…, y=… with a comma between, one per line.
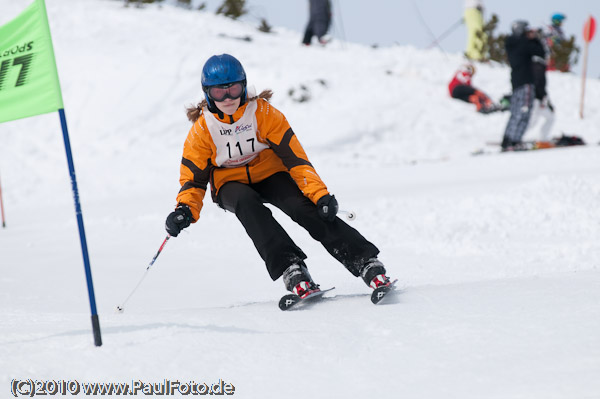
x=589, y=28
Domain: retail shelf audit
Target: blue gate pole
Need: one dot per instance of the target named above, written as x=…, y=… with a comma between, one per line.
x=84, y=250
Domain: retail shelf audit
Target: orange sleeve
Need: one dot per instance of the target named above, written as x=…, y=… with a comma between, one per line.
x=276, y=131
x=195, y=167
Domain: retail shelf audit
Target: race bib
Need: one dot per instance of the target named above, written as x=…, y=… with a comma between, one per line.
x=237, y=143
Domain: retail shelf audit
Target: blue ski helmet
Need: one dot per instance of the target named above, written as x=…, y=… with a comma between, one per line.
x=558, y=18
x=221, y=70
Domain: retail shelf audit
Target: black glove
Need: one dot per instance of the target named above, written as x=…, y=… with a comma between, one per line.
x=178, y=220
x=327, y=207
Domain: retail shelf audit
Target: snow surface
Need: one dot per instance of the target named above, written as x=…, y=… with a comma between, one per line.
x=498, y=256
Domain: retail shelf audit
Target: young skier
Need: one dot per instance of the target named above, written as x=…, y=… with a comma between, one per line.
x=460, y=87
x=247, y=151
x=554, y=37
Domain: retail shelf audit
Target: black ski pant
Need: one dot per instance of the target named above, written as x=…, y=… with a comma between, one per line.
x=463, y=92
x=315, y=27
x=274, y=245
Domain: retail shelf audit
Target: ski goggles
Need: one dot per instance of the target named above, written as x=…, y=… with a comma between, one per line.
x=230, y=90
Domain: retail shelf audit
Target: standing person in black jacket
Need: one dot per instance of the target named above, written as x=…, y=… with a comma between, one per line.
x=319, y=21
x=521, y=47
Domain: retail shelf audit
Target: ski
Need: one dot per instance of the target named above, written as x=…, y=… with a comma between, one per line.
x=290, y=301
x=380, y=294
x=532, y=145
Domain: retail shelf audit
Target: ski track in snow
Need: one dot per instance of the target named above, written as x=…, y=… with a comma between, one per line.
x=497, y=256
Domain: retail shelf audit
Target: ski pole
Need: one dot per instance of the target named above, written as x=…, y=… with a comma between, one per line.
x=121, y=308
x=350, y=215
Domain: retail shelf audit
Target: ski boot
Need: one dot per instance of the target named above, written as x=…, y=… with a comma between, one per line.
x=373, y=274
x=297, y=279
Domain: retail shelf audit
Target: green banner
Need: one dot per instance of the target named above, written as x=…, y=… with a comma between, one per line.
x=28, y=77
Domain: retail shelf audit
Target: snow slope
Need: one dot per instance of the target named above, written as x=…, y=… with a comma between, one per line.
x=497, y=256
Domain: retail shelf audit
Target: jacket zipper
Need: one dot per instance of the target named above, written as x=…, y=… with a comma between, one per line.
x=248, y=173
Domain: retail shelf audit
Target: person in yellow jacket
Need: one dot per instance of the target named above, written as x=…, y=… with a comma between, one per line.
x=245, y=148
x=476, y=38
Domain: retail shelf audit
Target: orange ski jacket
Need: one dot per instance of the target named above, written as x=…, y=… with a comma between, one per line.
x=284, y=154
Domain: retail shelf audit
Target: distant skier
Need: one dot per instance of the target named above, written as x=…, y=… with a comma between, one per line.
x=460, y=87
x=521, y=47
x=554, y=38
x=319, y=21
x=247, y=151
x=555, y=33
